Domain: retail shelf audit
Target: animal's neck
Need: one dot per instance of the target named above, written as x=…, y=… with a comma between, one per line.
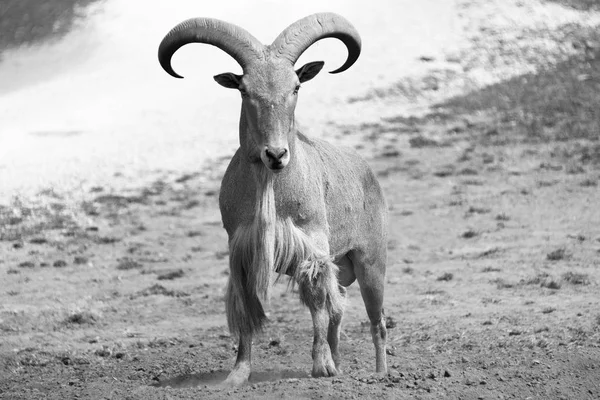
x=266, y=181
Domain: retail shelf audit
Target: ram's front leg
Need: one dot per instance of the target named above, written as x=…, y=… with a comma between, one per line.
x=245, y=313
x=243, y=364
x=318, y=286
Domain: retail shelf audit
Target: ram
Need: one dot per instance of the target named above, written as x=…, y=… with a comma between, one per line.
x=292, y=204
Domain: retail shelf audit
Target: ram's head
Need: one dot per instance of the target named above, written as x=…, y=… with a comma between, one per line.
x=269, y=84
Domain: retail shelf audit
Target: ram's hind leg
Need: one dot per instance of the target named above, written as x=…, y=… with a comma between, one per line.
x=370, y=274
x=319, y=291
x=333, y=333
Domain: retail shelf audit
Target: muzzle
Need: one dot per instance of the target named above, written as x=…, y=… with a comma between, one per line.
x=275, y=158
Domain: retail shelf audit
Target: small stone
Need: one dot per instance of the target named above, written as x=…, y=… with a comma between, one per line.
x=170, y=275
x=127, y=264
x=390, y=323
x=80, y=260
x=59, y=264
x=390, y=153
x=26, y=264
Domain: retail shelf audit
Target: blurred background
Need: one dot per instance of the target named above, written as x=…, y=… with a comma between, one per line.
x=83, y=98
x=82, y=95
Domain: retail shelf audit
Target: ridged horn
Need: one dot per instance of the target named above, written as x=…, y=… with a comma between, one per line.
x=299, y=36
x=235, y=41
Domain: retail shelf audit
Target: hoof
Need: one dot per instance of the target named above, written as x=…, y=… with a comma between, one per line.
x=232, y=383
x=325, y=370
x=323, y=364
x=236, y=378
x=379, y=374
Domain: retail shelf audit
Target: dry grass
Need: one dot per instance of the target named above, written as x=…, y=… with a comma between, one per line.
x=469, y=234
x=582, y=5
x=576, y=278
x=446, y=276
x=558, y=103
x=21, y=219
x=82, y=317
x=558, y=254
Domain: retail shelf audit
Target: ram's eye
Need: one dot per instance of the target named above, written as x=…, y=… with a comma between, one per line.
x=296, y=89
x=243, y=92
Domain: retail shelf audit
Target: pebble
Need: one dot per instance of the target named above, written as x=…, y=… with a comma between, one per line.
x=79, y=260
x=26, y=264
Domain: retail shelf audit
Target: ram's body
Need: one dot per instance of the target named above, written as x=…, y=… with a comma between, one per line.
x=291, y=204
x=329, y=192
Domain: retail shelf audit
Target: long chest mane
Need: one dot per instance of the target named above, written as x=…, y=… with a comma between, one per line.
x=272, y=241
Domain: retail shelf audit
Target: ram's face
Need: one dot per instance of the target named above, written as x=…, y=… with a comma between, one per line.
x=269, y=86
x=269, y=93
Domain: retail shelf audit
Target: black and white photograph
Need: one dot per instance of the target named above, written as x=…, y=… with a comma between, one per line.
x=317, y=200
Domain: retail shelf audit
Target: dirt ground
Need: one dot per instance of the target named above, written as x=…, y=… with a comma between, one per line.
x=492, y=282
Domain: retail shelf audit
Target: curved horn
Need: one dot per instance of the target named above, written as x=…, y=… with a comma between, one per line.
x=230, y=38
x=299, y=36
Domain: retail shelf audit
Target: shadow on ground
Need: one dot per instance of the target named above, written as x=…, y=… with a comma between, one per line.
x=215, y=378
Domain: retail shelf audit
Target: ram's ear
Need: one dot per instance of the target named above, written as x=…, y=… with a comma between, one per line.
x=228, y=80
x=309, y=71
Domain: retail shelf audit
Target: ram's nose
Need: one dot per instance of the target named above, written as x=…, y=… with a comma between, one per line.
x=275, y=158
